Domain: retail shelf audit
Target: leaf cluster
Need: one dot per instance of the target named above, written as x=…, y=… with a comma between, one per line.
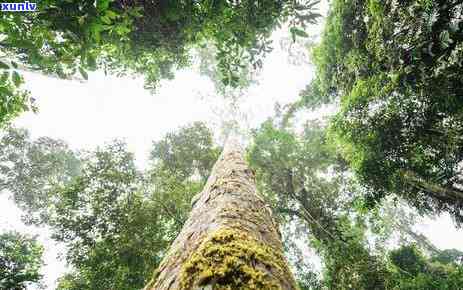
x=20, y=261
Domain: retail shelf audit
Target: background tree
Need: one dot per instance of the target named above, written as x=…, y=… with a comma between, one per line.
x=20, y=261
x=412, y=270
x=30, y=169
x=188, y=153
x=394, y=68
x=312, y=191
x=104, y=221
x=306, y=182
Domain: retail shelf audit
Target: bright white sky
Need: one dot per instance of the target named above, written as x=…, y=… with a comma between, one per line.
x=89, y=114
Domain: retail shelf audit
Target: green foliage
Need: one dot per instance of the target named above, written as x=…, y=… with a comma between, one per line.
x=312, y=192
x=20, y=261
x=414, y=271
x=448, y=256
x=305, y=181
x=31, y=168
x=188, y=152
x=151, y=38
x=395, y=68
x=72, y=281
x=409, y=259
x=62, y=38
x=243, y=76
x=113, y=236
x=13, y=100
x=115, y=221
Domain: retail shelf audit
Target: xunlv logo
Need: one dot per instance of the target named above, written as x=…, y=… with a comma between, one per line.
x=23, y=6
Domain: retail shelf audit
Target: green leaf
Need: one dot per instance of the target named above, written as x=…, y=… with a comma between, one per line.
x=105, y=20
x=111, y=14
x=95, y=29
x=293, y=35
x=14, y=64
x=102, y=5
x=83, y=73
x=17, y=80
x=299, y=32
x=445, y=39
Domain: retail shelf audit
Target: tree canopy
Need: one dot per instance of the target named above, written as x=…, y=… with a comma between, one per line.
x=394, y=68
x=149, y=38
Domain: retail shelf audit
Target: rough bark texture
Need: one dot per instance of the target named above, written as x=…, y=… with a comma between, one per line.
x=230, y=240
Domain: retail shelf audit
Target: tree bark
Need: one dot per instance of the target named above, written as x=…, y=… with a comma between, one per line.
x=230, y=240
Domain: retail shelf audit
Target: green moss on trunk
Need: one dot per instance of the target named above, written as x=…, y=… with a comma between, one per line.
x=232, y=259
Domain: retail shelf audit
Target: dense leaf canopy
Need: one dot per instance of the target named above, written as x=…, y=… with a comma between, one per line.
x=29, y=169
x=395, y=68
x=149, y=38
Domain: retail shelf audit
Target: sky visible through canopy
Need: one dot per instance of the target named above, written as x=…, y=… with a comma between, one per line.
x=88, y=114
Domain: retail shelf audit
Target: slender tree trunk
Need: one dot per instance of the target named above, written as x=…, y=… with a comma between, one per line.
x=230, y=241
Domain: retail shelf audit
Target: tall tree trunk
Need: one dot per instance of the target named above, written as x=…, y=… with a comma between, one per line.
x=230, y=240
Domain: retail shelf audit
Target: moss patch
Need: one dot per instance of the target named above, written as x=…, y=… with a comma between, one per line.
x=231, y=259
